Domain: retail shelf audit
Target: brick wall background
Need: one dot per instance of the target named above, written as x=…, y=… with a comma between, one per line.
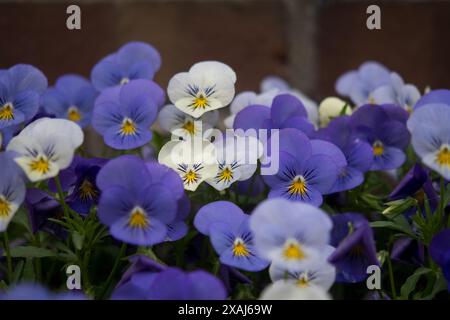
x=310, y=42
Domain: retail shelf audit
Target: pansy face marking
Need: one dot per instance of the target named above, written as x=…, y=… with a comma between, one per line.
x=298, y=187
x=40, y=164
x=128, y=127
x=124, y=81
x=226, y=172
x=138, y=218
x=7, y=112
x=190, y=175
x=293, y=251
x=189, y=126
x=378, y=148
x=240, y=248
x=200, y=98
x=443, y=156
x=5, y=207
x=73, y=114
x=87, y=190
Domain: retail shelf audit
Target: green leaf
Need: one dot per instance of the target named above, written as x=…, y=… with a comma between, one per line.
x=31, y=252
x=77, y=240
x=439, y=285
x=28, y=270
x=18, y=271
x=411, y=282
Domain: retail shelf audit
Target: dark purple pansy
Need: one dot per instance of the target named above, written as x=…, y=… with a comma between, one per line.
x=286, y=112
x=408, y=250
x=440, y=252
x=352, y=237
x=383, y=128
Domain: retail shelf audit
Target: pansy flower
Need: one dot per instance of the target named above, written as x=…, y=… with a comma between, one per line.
x=134, y=60
x=136, y=209
x=33, y=291
x=237, y=159
x=228, y=228
x=208, y=85
x=194, y=160
x=434, y=97
x=321, y=274
x=397, y=92
x=304, y=174
x=45, y=147
x=440, y=252
x=380, y=126
x=275, y=85
x=182, y=125
x=331, y=108
x=358, y=153
x=286, y=112
x=20, y=90
x=359, y=84
x=71, y=98
x=123, y=115
x=287, y=290
x=430, y=136
x=291, y=235
x=12, y=189
x=352, y=237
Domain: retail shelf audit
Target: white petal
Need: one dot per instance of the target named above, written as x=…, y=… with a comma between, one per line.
x=211, y=68
x=286, y=290
x=5, y=220
x=330, y=108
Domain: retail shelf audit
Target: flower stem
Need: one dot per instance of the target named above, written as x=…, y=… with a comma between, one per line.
x=391, y=278
x=113, y=270
x=8, y=256
x=61, y=197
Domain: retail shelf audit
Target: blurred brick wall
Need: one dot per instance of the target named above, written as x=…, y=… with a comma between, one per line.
x=308, y=41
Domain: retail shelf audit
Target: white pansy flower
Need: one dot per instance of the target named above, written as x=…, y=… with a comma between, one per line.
x=248, y=98
x=194, y=160
x=287, y=290
x=321, y=273
x=45, y=147
x=208, y=85
x=281, y=86
x=237, y=159
x=332, y=107
x=180, y=124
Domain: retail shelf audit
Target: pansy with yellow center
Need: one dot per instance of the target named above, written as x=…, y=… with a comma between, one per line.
x=194, y=160
x=45, y=147
x=136, y=207
x=123, y=115
x=12, y=189
x=227, y=226
x=20, y=89
x=208, y=85
x=430, y=132
x=292, y=235
x=72, y=97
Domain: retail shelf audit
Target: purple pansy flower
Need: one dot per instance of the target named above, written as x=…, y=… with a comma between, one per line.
x=430, y=134
x=229, y=231
x=123, y=115
x=135, y=60
x=358, y=84
x=20, y=89
x=304, y=174
x=355, y=248
x=434, y=97
x=32, y=291
x=134, y=207
x=381, y=128
x=440, y=252
x=408, y=250
x=358, y=153
x=286, y=112
x=72, y=98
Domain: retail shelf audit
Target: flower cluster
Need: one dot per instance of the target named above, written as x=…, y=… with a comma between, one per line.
x=293, y=200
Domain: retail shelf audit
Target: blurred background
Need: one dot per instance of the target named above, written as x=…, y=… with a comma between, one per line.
x=308, y=42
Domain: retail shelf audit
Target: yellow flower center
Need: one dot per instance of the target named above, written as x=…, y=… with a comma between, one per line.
x=378, y=148
x=298, y=186
x=189, y=127
x=293, y=251
x=200, y=102
x=41, y=165
x=225, y=175
x=240, y=249
x=303, y=281
x=73, y=114
x=5, y=207
x=443, y=156
x=87, y=190
x=190, y=177
x=371, y=100
x=7, y=111
x=138, y=219
x=124, y=81
x=128, y=127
